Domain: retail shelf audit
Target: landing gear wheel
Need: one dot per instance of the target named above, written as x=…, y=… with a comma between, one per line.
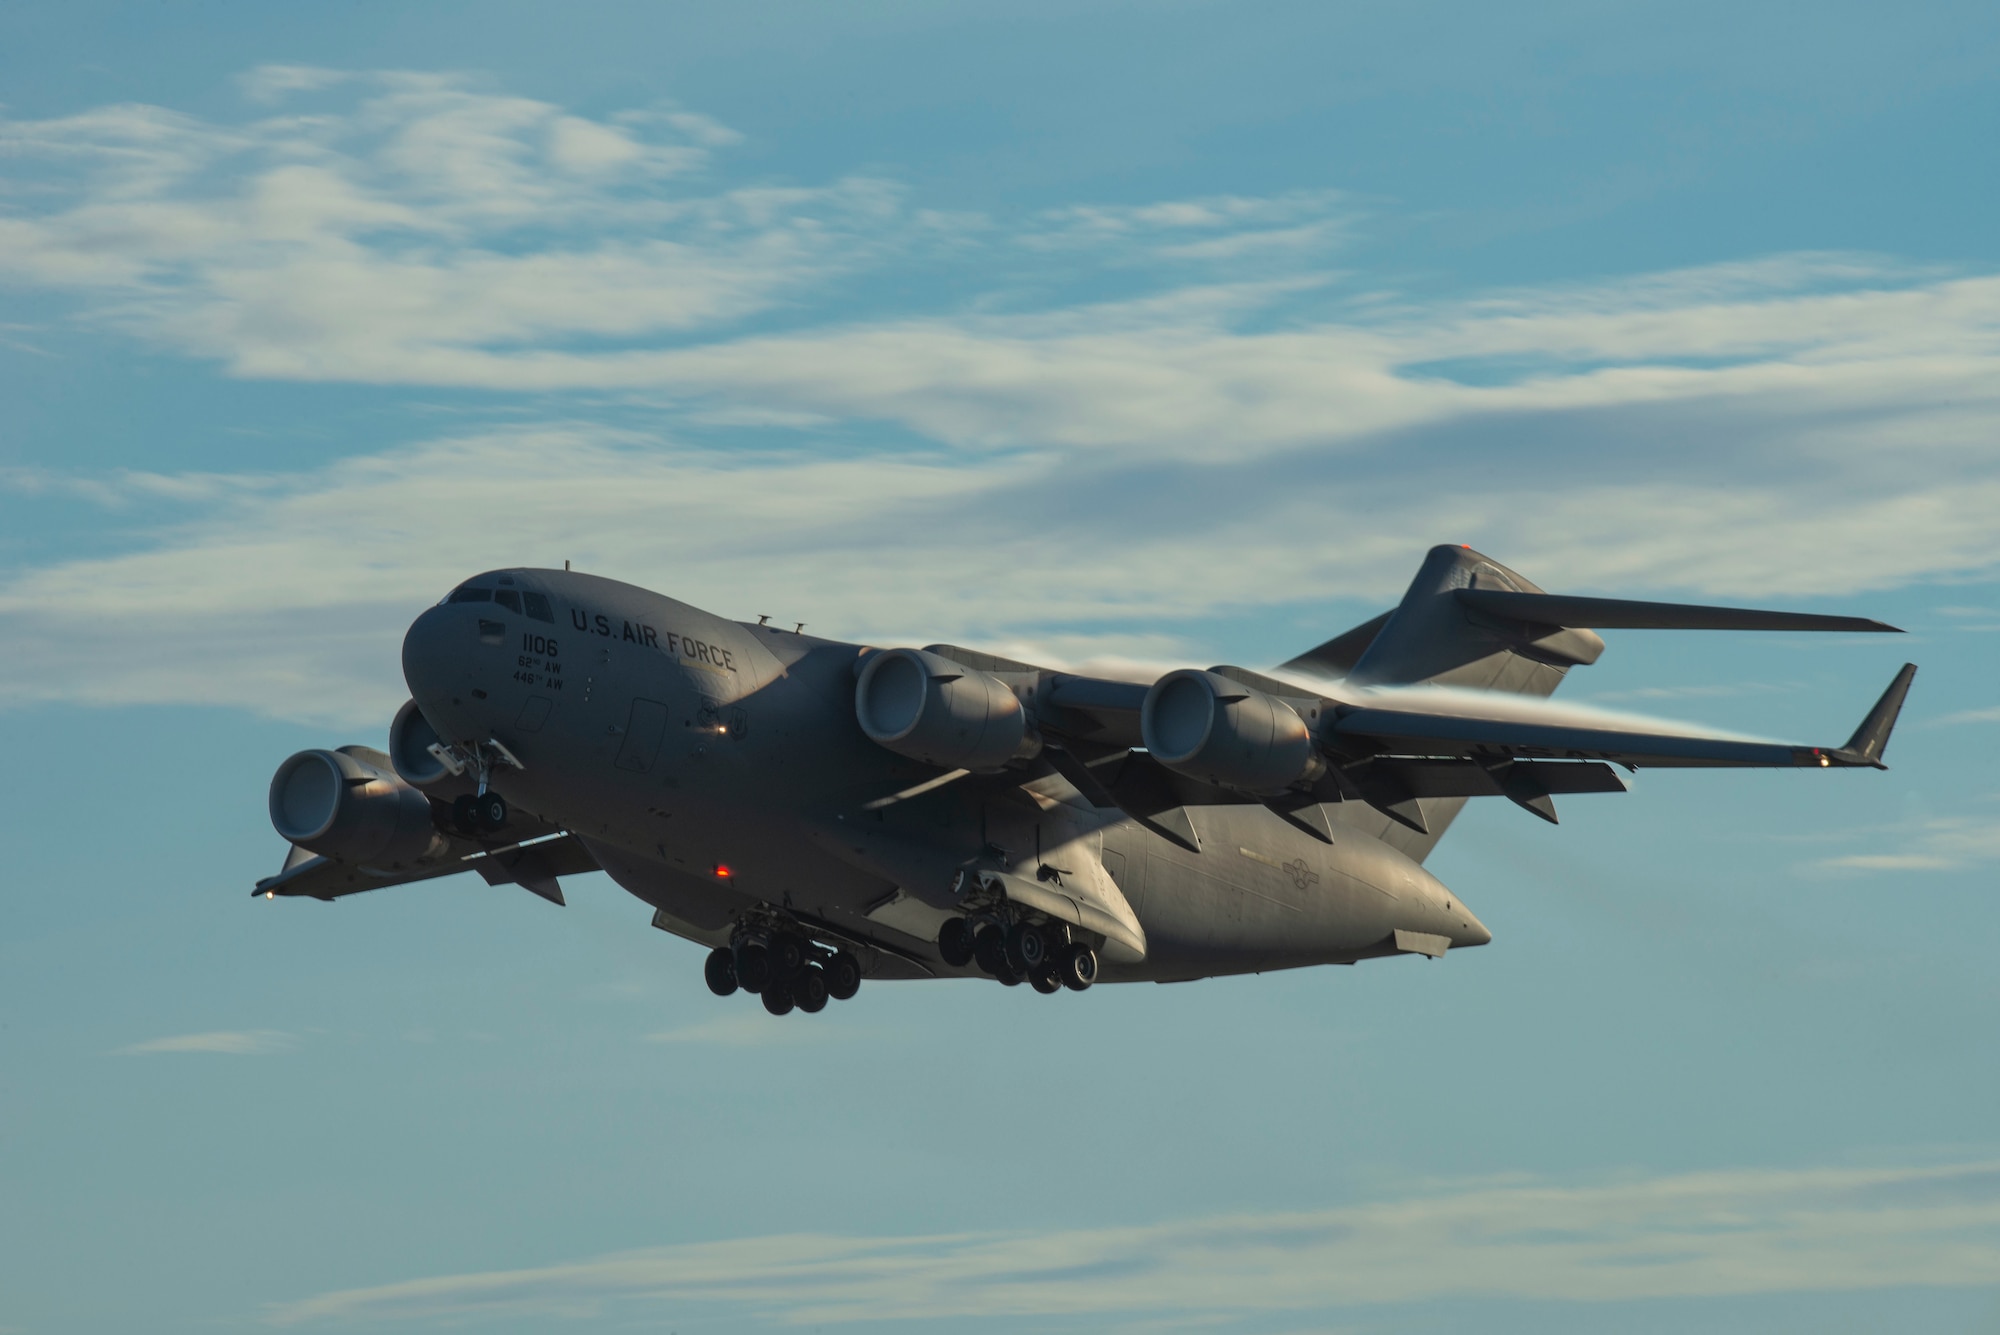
x=489, y=809
x=843, y=976
x=778, y=1000
x=954, y=942
x=809, y=989
x=1008, y=978
x=465, y=814
x=753, y=968
x=1078, y=967
x=788, y=953
x=989, y=947
x=1045, y=983
x=1027, y=948
x=720, y=972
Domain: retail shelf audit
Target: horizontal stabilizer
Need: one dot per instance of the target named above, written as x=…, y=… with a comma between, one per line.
x=1558, y=609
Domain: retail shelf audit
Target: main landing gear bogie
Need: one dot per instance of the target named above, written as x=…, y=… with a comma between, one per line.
x=786, y=969
x=1041, y=954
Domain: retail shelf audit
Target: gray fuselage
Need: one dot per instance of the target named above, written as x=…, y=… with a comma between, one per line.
x=713, y=766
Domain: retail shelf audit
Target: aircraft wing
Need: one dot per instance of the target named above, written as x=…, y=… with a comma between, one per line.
x=1101, y=713
x=1406, y=732
x=533, y=865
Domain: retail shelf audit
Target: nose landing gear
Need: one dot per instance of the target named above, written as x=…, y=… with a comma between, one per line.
x=481, y=811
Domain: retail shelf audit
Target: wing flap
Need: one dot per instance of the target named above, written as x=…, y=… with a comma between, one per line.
x=1468, y=778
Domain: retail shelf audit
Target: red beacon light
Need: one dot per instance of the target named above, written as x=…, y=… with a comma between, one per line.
x=722, y=872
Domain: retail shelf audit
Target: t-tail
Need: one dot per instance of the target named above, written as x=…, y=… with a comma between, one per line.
x=1469, y=622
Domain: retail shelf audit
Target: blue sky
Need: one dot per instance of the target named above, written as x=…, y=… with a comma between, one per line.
x=1099, y=333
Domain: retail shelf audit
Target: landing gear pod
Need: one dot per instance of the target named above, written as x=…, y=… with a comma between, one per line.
x=1225, y=733
x=341, y=806
x=929, y=708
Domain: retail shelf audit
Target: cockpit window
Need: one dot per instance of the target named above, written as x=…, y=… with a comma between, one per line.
x=468, y=594
x=508, y=599
x=538, y=607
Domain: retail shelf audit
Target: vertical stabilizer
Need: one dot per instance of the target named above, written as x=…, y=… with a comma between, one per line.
x=1433, y=637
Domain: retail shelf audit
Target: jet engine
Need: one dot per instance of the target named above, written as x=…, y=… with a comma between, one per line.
x=1211, y=728
x=929, y=708
x=353, y=809
x=410, y=738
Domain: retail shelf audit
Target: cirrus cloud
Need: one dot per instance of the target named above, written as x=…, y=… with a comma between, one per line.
x=764, y=397
x=1684, y=1236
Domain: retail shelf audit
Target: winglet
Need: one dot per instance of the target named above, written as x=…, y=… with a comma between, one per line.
x=1866, y=745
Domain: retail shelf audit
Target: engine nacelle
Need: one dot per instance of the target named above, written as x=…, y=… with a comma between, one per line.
x=943, y=713
x=1211, y=728
x=410, y=738
x=345, y=807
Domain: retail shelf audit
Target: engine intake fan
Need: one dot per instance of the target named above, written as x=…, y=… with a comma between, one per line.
x=1225, y=733
x=925, y=706
x=343, y=806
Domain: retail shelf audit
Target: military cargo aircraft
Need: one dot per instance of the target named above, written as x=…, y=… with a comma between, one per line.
x=819, y=813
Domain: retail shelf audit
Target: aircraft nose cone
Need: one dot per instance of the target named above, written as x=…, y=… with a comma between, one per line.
x=427, y=656
x=1467, y=930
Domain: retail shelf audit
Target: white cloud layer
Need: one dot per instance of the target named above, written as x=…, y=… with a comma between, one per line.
x=1693, y=1235
x=420, y=222
x=1242, y=428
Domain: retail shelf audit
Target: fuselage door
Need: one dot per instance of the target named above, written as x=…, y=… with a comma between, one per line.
x=643, y=732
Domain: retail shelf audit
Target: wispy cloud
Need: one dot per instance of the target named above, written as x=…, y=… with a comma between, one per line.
x=1989, y=714
x=1693, y=1235
x=1889, y=862
x=231, y=1042
x=1006, y=457
x=416, y=220
x=1943, y=843
x=261, y=601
